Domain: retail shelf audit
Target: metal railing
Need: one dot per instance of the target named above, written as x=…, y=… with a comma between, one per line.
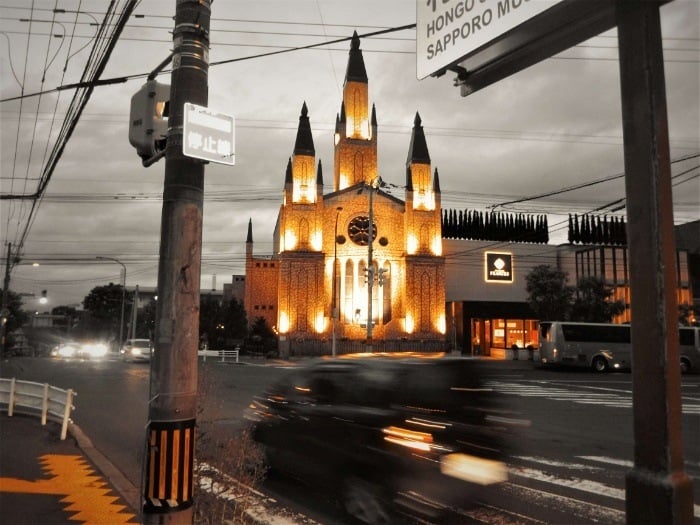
x=223, y=354
x=42, y=398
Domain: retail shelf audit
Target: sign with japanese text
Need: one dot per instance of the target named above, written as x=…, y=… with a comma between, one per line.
x=448, y=30
x=208, y=135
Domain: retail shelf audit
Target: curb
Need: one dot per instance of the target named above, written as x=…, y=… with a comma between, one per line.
x=128, y=492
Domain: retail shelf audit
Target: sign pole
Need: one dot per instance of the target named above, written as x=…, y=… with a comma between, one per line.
x=170, y=436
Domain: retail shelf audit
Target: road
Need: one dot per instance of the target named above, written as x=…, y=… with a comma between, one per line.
x=567, y=466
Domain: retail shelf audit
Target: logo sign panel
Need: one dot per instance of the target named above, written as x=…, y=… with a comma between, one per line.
x=499, y=267
x=208, y=135
x=447, y=30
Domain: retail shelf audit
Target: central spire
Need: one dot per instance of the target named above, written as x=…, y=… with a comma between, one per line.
x=356, y=64
x=304, y=144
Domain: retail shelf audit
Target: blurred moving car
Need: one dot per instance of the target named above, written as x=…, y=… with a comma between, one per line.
x=66, y=350
x=413, y=437
x=137, y=350
x=75, y=349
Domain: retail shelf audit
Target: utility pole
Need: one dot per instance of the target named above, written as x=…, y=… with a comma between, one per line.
x=170, y=437
x=5, y=311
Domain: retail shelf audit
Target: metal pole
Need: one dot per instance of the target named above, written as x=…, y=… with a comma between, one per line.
x=172, y=408
x=134, y=314
x=334, y=310
x=657, y=488
x=370, y=267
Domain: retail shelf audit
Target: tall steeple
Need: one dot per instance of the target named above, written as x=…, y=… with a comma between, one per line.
x=356, y=130
x=356, y=71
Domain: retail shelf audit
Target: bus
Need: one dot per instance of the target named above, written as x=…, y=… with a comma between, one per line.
x=602, y=347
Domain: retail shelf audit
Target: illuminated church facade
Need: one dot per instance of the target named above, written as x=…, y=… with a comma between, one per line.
x=356, y=253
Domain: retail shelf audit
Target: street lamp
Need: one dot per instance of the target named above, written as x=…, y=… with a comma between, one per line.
x=121, y=321
x=334, y=310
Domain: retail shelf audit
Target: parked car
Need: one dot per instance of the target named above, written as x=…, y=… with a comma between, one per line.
x=391, y=436
x=137, y=350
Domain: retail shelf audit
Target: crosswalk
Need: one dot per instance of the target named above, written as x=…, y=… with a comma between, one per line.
x=586, y=489
x=585, y=395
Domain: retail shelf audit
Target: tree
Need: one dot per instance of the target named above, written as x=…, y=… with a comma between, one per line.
x=221, y=323
x=262, y=337
x=16, y=317
x=70, y=316
x=548, y=294
x=261, y=328
x=103, y=306
x=593, y=302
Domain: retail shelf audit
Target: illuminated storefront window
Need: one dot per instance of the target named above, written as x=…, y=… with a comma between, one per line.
x=488, y=334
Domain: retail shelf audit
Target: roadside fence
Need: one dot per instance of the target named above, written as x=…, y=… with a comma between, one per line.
x=32, y=398
x=223, y=354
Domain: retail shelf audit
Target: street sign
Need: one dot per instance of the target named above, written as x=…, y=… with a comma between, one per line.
x=208, y=135
x=447, y=30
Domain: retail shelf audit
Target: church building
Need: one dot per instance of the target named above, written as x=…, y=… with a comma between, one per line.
x=359, y=267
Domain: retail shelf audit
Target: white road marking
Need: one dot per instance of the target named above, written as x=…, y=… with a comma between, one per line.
x=613, y=398
x=609, y=461
x=553, y=463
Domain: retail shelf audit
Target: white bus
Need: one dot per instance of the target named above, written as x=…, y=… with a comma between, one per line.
x=602, y=347
x=689, y=348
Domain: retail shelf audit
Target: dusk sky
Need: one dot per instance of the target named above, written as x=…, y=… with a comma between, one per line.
x=555, y=126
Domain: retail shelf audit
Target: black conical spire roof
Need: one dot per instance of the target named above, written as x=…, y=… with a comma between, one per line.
x=436, y=182
x=304, y=144
x=418, y=149
x=288, y=179
x=249, y=238
x=356, y=64
x=319, y=174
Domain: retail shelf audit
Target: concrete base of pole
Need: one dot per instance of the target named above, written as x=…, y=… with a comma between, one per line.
x=659, y=497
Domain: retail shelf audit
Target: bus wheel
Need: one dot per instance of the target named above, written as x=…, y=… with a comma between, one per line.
x=685, y=366
x=599, y=364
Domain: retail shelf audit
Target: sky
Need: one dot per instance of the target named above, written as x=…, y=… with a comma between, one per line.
x=552, y=127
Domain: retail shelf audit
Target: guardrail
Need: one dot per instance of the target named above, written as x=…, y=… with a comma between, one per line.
x=223, y=354
x=30, y=397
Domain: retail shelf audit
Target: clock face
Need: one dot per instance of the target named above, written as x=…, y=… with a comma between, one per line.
x=359, y=230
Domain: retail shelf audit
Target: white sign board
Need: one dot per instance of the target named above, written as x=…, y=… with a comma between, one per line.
x=208, y=135
x=447, y=30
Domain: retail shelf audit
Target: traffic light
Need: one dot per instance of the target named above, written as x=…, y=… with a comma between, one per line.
x=148, y=119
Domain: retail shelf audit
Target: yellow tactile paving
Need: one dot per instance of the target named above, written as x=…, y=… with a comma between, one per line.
x=86, y=495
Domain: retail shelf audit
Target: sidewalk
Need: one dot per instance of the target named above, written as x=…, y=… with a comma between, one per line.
x=49, y=481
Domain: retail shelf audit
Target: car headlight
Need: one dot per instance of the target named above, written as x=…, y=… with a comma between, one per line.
x=95, y=350
x=67, y=351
